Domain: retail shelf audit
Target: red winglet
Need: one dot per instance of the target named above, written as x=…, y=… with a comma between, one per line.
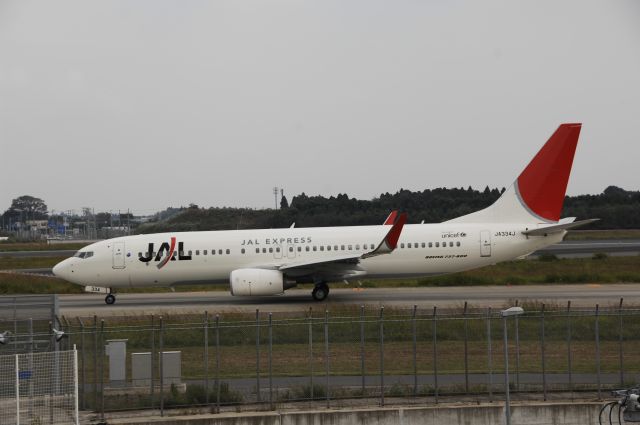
x=391, y=219
x=542, y=185
x=394, y=234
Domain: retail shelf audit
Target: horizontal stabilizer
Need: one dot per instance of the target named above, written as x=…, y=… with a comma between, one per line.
x=542, y=231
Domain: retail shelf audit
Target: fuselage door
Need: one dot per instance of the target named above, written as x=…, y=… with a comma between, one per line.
x=118, y=255
x=485, y=243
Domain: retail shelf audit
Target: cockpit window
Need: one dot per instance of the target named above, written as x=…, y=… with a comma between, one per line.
x=84, y=254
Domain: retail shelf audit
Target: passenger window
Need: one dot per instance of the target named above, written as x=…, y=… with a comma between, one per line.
x=335, y=247
x=278, y=249
x=408, y=244
x=189, y=253
x=204, y=252
x=357, y=247
x=197, y=252
x=402, y=245
x=444, y=244
x=321, y=247
x=314, y=248
x=173, y=257
x=458, y=243
x=328, y=247
x=450, y=243
x=430, y=244
x=437, y=244
x=306, y=248
x=350, y=247
x=342, y=247
x=423, y=245
x=242, y=251
x=257, y=250
x=264, y=250
x=219, y=252
x=213, y=252
x=228, y=251
x=139, y=255
x=373, y=246
x=270, y=250
x=290, y=249
x=299, y=249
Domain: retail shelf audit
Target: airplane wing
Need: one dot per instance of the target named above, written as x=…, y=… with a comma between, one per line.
x=565, y=224
x=343, y=266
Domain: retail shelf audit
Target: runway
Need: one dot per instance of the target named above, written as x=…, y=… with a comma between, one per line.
x=581, y=295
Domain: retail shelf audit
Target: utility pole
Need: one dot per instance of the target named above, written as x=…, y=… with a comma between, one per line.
x=275, y=195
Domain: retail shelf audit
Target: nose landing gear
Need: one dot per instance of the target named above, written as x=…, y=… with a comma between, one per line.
x=320, y=292
x=110, y=299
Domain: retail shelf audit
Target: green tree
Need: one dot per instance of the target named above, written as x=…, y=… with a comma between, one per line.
x=27, y=208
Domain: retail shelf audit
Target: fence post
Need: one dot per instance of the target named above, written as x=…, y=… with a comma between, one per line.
x=270, y=361
x=206, y=357
x=597, y=330
x=17, y=388
x=381, y=324
x=83, y=369
x=217, y=363
x=153, y=358
x=311, y=394
x=435, y=354
x=102, y=355
x=466, y=349
x=75, y=384
x=569, y=347
x=517, y=338
x=326, y=353
x=489, y=355
x=620, y=343
x=161, y=366
x=415, y=351
x=258, y=355
x=544, y=372
x=95, y=363
x=362, y=348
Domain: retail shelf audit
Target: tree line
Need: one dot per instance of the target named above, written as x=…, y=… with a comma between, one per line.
x=617, y=209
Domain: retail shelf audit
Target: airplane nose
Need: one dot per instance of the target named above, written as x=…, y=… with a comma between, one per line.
x=62, y=269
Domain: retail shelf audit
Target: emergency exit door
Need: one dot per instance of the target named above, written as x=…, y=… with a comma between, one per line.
x=118, y=255
x=485, y=243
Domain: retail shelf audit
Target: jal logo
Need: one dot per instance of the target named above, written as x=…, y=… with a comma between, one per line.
x=169, y=248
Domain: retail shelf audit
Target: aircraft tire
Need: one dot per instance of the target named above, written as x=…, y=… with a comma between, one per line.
x=110, y=299
x=320, y=292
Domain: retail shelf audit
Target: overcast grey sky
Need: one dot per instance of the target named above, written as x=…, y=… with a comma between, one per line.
x=148, y=104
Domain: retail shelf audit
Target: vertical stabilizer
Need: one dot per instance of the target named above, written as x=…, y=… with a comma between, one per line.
x=538, y=193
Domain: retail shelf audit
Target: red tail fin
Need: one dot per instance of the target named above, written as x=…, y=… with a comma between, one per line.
x=542, y=185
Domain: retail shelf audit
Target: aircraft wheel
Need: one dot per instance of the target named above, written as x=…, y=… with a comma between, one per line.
x=110, y=299
x=320, y=292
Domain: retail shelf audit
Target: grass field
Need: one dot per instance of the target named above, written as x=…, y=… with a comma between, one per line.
x=38, y=246
x=582, y=235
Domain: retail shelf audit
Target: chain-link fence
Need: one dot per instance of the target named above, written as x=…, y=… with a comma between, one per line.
x=39, y=388
x=336, y=357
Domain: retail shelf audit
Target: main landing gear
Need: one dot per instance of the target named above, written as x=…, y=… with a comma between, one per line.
x=110, y=299
x=320, y=292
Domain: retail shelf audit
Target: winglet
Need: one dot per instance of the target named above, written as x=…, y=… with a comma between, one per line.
x=391, y=218
x=390, y=241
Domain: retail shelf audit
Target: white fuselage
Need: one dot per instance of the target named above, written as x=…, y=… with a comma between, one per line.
x=422, y=250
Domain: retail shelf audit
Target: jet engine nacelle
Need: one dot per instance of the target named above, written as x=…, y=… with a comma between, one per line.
x=256, y=282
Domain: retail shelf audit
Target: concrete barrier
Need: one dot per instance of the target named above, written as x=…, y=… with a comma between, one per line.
x=523, y=413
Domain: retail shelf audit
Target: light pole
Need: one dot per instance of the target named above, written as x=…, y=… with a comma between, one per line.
x=513, y=311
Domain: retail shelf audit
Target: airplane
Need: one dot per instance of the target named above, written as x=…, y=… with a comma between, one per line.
x=262, y=262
